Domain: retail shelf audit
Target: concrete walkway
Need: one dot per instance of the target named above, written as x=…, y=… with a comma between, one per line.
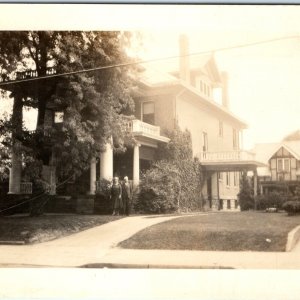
x=96, y=247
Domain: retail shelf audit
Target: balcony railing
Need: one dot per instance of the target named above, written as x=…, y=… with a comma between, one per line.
x=226, y=156
x=26, y=188
x=25, y=75
x=137, y=126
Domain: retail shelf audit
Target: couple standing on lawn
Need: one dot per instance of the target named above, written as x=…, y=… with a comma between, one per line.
x=121, y=195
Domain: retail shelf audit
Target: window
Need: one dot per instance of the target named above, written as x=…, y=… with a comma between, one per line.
x=235, y=139
x=235, y=178
x=235, y=204
x=148, y=112
x=228, y=178
x=208, y=91
x=201, y=85
x=283, y=165
x=204, y=88
x=220, y=128
x=205, y=142
x=58, y=117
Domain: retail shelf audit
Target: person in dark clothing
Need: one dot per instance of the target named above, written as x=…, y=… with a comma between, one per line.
x=116, y=196
x=126, y=196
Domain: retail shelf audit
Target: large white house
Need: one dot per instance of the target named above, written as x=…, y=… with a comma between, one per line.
x=184, y=98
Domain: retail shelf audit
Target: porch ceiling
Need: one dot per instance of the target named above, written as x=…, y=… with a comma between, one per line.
x=143, y=136
x=231, y=166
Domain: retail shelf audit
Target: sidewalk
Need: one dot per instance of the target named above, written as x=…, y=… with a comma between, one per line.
x=96, y=247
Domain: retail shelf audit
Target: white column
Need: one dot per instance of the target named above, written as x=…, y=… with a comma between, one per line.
x=93, y=176
x=106, y=163
x=15, y=174
x=136, y=164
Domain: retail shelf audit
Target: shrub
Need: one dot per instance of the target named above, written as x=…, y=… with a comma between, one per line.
x=174, y=182
x=292, y=207
x=273, y=199
x=159, y=189
x=245, y=195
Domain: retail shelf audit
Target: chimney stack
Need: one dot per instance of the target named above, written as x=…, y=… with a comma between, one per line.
x=225, y=98
x=184, y=60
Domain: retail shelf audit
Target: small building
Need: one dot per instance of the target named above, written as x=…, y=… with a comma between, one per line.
x=282, y=170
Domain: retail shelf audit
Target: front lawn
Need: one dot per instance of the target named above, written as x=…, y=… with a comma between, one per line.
x=242, y=231
x=47, y=227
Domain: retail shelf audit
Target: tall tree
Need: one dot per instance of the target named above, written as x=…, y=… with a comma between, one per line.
x=92, y=102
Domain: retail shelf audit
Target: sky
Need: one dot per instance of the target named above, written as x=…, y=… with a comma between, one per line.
x=264, y=85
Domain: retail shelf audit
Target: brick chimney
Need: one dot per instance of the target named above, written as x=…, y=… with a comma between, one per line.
x=225, y=98
x=184, y=60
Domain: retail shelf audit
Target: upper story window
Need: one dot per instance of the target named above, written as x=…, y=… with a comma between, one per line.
x=220, y=128
x=148, y=112
x=58, y=117
x=235, y=139
x=283, y=165
x=205, y=142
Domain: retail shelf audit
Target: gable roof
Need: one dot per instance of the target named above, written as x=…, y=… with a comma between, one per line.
x=153, y=78
x=265, y=151
x=203, y=64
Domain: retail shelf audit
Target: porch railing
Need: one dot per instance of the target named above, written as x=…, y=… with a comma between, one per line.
x=226, y=156
x=26, y=188
x=137, y=126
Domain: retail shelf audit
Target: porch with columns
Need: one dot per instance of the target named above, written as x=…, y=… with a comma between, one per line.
x=107, y=167
x=146, y=135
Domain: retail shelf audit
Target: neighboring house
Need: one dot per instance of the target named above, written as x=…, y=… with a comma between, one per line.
x=282, y=170
x=181, y=98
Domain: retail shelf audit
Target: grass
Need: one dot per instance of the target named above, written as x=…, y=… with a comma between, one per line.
x=243, y=231
x=47, y=227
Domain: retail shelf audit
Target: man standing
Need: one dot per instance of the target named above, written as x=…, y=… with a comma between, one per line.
x=126, y=195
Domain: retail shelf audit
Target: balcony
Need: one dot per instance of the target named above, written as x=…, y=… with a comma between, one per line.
x=229, y=160
x=25, y=75
x=142, y=129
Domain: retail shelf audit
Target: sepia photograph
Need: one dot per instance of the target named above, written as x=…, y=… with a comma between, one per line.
x=150, y=137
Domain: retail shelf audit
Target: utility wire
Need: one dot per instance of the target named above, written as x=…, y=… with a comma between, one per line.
x=148, y=61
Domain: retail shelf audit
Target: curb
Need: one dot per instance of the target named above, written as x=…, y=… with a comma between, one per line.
x=293, y=238
x=12, y=243
x=147, y=266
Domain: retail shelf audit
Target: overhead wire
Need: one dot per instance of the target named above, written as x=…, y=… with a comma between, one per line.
x=148, y=60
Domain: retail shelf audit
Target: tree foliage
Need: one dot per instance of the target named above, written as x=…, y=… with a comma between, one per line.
x=93, y=103
x=294, y=136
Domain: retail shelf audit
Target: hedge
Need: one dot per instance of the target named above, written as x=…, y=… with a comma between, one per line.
x=292, y=207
